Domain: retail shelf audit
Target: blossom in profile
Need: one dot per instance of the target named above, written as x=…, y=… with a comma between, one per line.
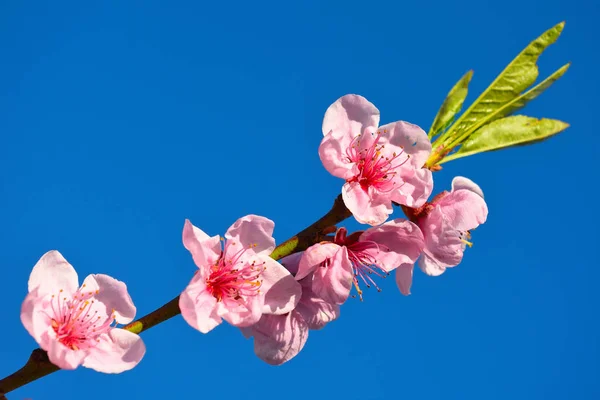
x=358, y=259
x=279, y=338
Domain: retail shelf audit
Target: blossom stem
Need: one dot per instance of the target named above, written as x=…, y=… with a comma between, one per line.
x=39, y=365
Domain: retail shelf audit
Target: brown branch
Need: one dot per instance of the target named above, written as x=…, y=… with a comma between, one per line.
x=39, y=365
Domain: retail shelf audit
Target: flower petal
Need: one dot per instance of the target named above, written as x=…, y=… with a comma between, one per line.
x=113, y=294
x=416, y=187
x=314, y=256
x=333, y=154
x=61, y=355
x=253, y=231
x=400, y=242
x=53, y=273
x=198, y=307
x=411, y=138
x=462, y=183
x=430, y=265
x=243, y=312
x=463, y=209
x=314, y=310
x=333, y=282
x=205, y=250
x=117, y=351
x=350, y=113
x=368, y=207
x=280, y=289
x=404, y=276
x=278, y=338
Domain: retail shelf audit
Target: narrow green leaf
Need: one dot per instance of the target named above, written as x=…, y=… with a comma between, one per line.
x=451, y=105
x=507, y=132
x=516, y=77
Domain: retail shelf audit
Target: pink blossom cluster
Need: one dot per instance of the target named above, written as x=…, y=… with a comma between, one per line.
x=278, y=303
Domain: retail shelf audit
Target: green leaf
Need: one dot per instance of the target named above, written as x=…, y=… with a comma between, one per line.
x=516, y=77
x=511, y=131
x=451, y=105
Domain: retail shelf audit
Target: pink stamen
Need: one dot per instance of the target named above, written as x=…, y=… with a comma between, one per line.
x=376, y=169
x=364, y=263
x=230, y=282
x=76, y=325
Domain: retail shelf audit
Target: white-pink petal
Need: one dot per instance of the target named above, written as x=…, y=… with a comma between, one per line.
x=119, y=350
x=350, y=113
x=205, y=250
x=53, y=273
x=253, y=231
x=199, y=307
x=113, y=294
x=281, y=291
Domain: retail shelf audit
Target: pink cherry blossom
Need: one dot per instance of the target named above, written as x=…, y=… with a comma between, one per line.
x=279, y=338
x=379, y=164
x=446, y=223
x=77, y=325
x=355, y=259
x=238, y=283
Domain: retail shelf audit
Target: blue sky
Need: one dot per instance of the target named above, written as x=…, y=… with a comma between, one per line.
x=120, y=120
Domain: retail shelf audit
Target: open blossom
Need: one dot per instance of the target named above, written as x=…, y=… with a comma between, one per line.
x=379, y=164
x=239, y=282
x=279, y=338
x=446, y=224
x=356, y=259
x=77, y=325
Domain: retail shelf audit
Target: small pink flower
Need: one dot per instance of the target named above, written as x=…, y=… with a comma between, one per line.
x=380, y=165
x=77, y=325
x=239, y=283
x=446, y=224
x=279, y=338
x=350, y=260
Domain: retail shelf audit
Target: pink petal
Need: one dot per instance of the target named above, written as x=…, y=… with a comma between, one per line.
x=416, y=187
x=292, y=262
x=280, y=289
x=350, y=113
x=253, y=231
x=113, y=294
x=278, y=338
x=333, y=154
x=401, y=242
x=404, y=276
x=27, y=310
x=198, y=307
x=430, y=265
x=314, y=256
x=442, y=242
x=205, y=250
x=463, y=209
x=333, y=283
x=314, y=310
x=117, y=351
x=53, y=273
x=367, y=207
x=411, y=138
x=61, y=355
x=242, y=312
x=462, y=183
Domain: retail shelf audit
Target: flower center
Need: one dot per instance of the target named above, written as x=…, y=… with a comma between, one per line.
x=76, y=321
x=376, y=167
x=362, y=255
x=234, y=278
